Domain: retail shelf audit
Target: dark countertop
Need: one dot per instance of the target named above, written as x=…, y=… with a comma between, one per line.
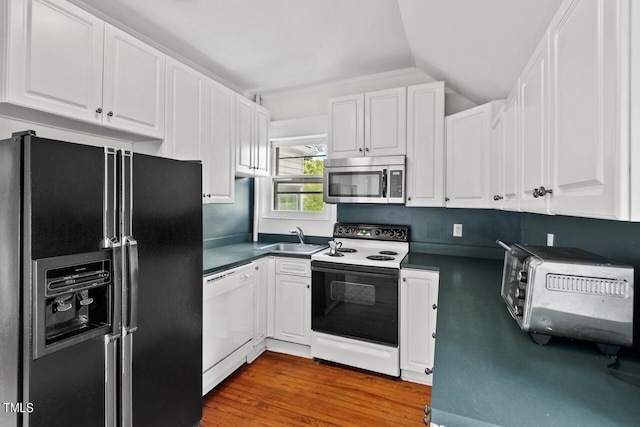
x=488, y=372
x=230, y=256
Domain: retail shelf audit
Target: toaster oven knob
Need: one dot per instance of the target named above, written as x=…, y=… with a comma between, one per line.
x=517, y=310
x=520, y=292
x=522, y=276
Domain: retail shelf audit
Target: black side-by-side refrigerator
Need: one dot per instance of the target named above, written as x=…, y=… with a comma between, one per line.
x=100, y=286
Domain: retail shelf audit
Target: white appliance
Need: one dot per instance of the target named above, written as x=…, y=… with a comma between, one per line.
x=355, y=297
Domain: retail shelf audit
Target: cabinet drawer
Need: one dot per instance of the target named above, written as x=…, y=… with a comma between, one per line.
x=299, y=267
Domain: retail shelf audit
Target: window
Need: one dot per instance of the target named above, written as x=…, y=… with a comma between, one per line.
x=297, y=175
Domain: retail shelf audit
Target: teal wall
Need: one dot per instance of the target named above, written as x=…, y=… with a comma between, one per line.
x=225, y=224
x=431, y=229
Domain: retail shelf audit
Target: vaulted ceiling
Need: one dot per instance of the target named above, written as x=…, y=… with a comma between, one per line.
x=478, y=47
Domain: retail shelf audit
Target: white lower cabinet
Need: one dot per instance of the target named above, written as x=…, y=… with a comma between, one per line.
x=228, y=322
x=418, y=313
x=292, y=314
x=260, y=308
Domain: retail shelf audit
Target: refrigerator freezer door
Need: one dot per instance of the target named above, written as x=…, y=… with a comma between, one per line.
x=63, y=214
x=167, y=344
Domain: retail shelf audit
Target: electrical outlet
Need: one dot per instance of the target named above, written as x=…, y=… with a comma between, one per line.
x=457, y=230
x=550, y=238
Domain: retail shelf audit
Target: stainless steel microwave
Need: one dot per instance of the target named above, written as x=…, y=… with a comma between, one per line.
x=364, y=180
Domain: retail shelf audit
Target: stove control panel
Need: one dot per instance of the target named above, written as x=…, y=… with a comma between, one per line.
x=396, y=233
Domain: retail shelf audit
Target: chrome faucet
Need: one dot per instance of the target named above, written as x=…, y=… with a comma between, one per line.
x=298, y=232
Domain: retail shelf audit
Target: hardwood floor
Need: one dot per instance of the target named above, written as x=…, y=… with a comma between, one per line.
x=283, y=390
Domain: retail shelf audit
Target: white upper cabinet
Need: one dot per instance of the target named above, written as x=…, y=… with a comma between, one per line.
x=370, y=124
x=185, y=112
x=55, y=58
x=385, y=122
x=495, y=174
x=469, y=157
x=261, y=144
x=346, y=127
x=510, y=159
x=252, y=138
x=534, y=131
x=200, y=126
x=220, y=130
x=425, y=145
x=64, y=61
x=134, y=80
x=589, y=145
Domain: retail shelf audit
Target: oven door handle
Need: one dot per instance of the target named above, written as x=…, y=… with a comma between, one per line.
x=358, y=273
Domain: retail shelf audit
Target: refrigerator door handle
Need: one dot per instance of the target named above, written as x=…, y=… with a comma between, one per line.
x=132, y=263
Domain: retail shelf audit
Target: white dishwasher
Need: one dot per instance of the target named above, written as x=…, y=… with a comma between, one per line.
x=227, y=323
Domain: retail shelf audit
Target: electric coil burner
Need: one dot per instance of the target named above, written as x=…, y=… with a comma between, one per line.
x=380, y=257
x=354, y=297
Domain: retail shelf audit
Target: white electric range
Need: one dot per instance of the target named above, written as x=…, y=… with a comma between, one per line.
x=355, y=297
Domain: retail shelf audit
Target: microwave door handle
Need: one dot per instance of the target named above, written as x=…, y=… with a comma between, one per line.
x=384, y=183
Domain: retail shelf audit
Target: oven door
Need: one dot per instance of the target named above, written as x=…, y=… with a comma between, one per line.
x=355, y=301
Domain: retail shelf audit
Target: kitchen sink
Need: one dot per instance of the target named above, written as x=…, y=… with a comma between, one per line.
x=293, y=248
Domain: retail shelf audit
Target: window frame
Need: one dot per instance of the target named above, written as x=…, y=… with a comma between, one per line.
x=275, y=143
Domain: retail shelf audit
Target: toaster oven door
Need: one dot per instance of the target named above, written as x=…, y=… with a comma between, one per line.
x=514, y=282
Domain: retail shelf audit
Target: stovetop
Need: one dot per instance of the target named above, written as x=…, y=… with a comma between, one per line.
x=368, y=245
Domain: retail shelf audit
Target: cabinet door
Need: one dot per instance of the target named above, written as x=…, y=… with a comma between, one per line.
x=293, y=309
x=425, y=145
x=55, y=58
x=244, y=136
x=134, y=83
x=497, y=164
x=468, y=157
x=260, y=301
x=418, y=313
x=261, y=141
x=220, y=144
x=385, y=122
x=589, y=142
x=534, y=130
x=346, y=127
x=510, y=155
x=185, y=107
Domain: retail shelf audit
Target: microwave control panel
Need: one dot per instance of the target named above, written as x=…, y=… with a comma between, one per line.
x=396, y=182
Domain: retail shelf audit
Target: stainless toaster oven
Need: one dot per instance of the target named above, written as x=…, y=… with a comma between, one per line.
x=568, y=292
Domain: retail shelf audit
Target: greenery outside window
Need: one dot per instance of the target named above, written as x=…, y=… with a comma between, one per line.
x=297, y=175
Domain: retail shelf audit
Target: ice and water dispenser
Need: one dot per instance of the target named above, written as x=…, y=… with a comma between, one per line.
x=72, y=300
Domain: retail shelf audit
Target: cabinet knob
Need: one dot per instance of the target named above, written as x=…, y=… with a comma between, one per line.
x=409, y=198
x=428, y=371
x=433, y=335
x=446, y=199
x=110, y=114
x=434, y=306
x=360, y=149
x=541, y=192
x=404, y=279
x=497, y=197
x=366, y=149
x=99, y=110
